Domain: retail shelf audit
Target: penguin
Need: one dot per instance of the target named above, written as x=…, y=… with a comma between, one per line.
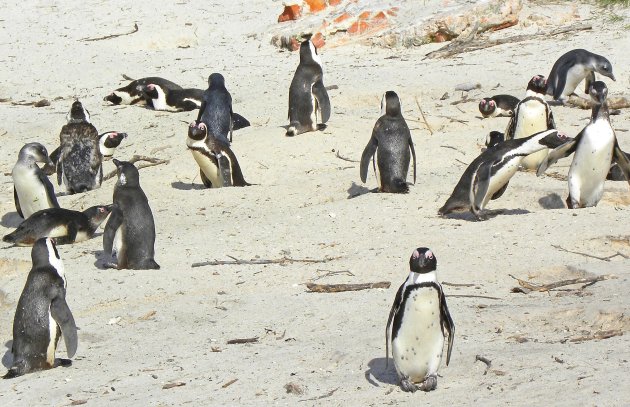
x=595, y=148
x=418, y=323
x=107, y=144
x=487, y=177
x=178, y=100
x=573, y=67
x=532, y=115
x=216, y=109
x=129, y=234
x=32, y=190
x=392, y=139
x=42, y=314
x=79, y=166
x=493, y=138
x=65, y=225
x=498, y=106
x=218, y=165
x=130, y=95
x=308, y=97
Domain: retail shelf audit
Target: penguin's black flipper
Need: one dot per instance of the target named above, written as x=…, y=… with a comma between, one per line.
x=447, y=325
x=202, y=109
x=239, y=122
x=413, y=155
x=509, y=131
x=50, y=190
x=206, y=182
x=59, y=168
x=54, y=156
x=561, y=77
x=479, y=186
x=368, y=153
x=323, y=102
x=225, y=170
x=111, y=227
x=590, y=78
x=551, y=123
x=500, y=192
x=622, y=161
x=554, y=155
x=392, y=312
x=62, y=315
x=18, y=208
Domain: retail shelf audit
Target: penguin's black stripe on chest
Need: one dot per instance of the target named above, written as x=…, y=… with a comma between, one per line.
x=398, y=318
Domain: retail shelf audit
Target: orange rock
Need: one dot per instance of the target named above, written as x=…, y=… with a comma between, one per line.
x=358, y=27
x=380, y=16
x=364, y=15
x=342, y=17
x=291, y=12
x=334, y=2
x=318, y=40
x=507, y=24
x=393, y=11
x=316, y=5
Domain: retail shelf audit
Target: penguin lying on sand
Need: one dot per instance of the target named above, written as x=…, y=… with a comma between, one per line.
x=130, y=95
x=32, y=190
x=177, y=100
x=498, y=106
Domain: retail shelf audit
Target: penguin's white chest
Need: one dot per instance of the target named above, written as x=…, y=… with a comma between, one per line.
x=500, y=178
x=31, y=192
x=209, y=168
x=417, y=347
x=575, y=75
x=532, y=118
x=591, y=163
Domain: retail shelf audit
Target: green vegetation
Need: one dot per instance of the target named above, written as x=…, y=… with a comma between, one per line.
x=614, y=2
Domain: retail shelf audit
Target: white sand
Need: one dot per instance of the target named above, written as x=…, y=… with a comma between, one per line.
x=172, y=319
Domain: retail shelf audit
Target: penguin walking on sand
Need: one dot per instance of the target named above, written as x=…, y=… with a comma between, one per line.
x=487, y=177
x=498, y=106
x=309, y=105
x=79, y=166
x=129, y=234
x=131, y=95
x=65, y=225
x=218, y=165
x=418, y=323
x=595, y=147
x=532, y=115
x=42, y=314
x=391, y=142
x=32, y=190
x=574, y=67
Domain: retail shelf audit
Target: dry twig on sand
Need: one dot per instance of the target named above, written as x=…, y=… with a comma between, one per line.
x=107, y=37
x=598, y=335
x=620, y=102
x=242, y=340
x=150, y=162
x=485, y=297
x=607, y=258
x=424, y=118
x=337, y=288
x=487, y=361
x=344, y=158
x=282, y=261
x=587, y=281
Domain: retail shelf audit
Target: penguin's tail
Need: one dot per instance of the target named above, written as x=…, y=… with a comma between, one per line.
x=291, y=131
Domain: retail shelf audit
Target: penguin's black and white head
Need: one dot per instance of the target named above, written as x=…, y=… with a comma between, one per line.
x=422, y=261
x=598, y=92
x=128, y=175
x=390, y=104
x=156, y=94
x=78, y=114
x=487, y=106
x=197, y=131
x=34, y=152
x=44, y=253
x=97, y=214
x=493, y=138
x=604, y=67
x=538, y=84
x=115, y=99
x=216, y=81
x=308, y=53
x=108, y=142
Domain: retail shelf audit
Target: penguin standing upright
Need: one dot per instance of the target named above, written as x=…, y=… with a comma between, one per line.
x=32, y=190
x=42, y=314
x=595, y=147
x=216, y=108
x=391, y=141
x=79, y=166
x=308, y=97
x=418, y=322
x=572, y=68
x=129, y=234
x=532, y=115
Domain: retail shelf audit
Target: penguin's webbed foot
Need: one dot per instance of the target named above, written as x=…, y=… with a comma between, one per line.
x=110, y=265
x=321, y=126
x=429, y=384
x=407, y=385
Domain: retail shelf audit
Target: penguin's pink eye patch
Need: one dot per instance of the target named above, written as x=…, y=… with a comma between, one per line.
x=428, y=254
x=415, y=254
x=150, y=86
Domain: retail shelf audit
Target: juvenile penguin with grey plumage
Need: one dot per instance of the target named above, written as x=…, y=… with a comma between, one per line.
x=42, y=315
x=574, y=67
x=309, y=105
x=595, y=147
x=391, y=142
x=487, y=177
x=418, y=323
x=32, y=190
x=79, y=166
x=130, y=94
x=129, y=234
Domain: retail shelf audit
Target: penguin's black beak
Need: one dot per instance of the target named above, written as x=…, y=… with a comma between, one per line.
x=117, y=163
x=49, y=168
x=612, y=76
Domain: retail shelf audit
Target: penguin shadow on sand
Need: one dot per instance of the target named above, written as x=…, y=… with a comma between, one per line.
x=378, y=372
x=7, y=358
x=487, y=213
x=185, y=186
x=358, y=190
x=11, y=220
x=101, y=260
x=552, y=201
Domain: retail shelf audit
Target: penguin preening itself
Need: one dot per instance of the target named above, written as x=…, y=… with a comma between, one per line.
x=309, y=105
x=218, y=165
x=107, y=144
x=418, y=322
x=79, y=166
x=498, y=106
x=177, y=100
x=595, y=148
x=572, y=68
x=532, y=115
x=487, y=177
x=32, y=190
x=42, y=314
x=65, y=225
x=130, y=95
x=129, y=234
x=391, y=142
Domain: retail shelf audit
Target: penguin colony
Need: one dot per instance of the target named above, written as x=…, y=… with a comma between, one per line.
x=419, y=322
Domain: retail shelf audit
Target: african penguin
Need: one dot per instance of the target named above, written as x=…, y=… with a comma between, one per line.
x=32, y=190
x=42, y=314
x=418, y=323
x=573, y=67
x=493, y=138
x=130, y=95
x=79, y=166
x=595, y=147
x=107, y=144
x=532, y=115
x=129, y=234
x=65, y=225
x=498, y=106
x=391, y=142
x=177, y=100
x=308, y=97
x=487, y=177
